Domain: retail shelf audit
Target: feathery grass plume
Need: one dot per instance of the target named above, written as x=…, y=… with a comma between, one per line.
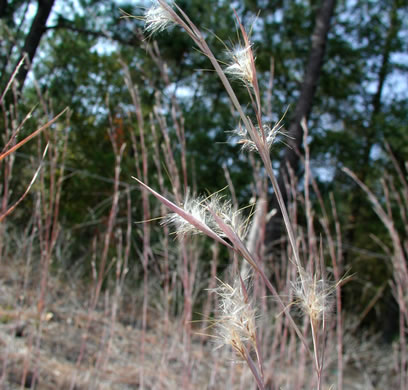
x=314, y=296
x=270, y=136
x=241, y=64
x=185, y=215
x=157, y=18
x=233, y=218
x=235, y=324
x=194, y=207
x=202, y=208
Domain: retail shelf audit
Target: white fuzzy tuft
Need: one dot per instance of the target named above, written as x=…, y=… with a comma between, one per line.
x=240, y=64
x=157, y=18
x=235, y=322
x=201, y=209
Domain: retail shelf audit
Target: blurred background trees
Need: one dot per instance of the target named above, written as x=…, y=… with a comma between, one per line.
x=79, y=51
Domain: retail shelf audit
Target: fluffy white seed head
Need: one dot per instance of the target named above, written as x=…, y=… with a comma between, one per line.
x=270, y=132
x=240, y=64
x=314, y=296
x=233, y=218
x=235, y=322
x=157, y=18
x=193, y=206
x=201, y=209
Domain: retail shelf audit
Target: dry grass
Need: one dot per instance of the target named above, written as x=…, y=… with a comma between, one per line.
x=112, y=357
x=61, y=332
x=113, y=361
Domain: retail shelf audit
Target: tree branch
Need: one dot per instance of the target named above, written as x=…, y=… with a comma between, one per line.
x=34, y=37
x=68, y=25
x=304, y=104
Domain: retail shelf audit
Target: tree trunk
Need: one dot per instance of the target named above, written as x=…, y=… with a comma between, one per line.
x=370, y=131
x=3, y=8
x=303, y=106
x=33, y=37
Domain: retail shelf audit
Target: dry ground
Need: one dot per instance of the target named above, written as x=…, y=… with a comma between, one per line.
x=45, y=350
x=42, y=353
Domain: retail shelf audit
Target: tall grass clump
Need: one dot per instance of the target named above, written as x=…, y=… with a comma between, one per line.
x=274, y=309
x=215, y=216
x=391, y=207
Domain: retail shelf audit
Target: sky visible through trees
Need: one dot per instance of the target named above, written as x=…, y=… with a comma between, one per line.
x=360, y=102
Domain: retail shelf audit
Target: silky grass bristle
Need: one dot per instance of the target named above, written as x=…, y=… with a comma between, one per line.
x=202, y=208
x=235, y=322
x=157, y=18
x=240, y=64
x=314, y=296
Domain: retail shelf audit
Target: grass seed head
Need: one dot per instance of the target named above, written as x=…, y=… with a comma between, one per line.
x=233, y=218
x=235, y=323
x=200, y=207
x=194, y=207
x=271, y=133
x=315, y=296
x=157, y=18
x=240, y=64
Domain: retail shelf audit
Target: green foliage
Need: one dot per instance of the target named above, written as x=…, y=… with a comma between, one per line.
x=80, y=66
